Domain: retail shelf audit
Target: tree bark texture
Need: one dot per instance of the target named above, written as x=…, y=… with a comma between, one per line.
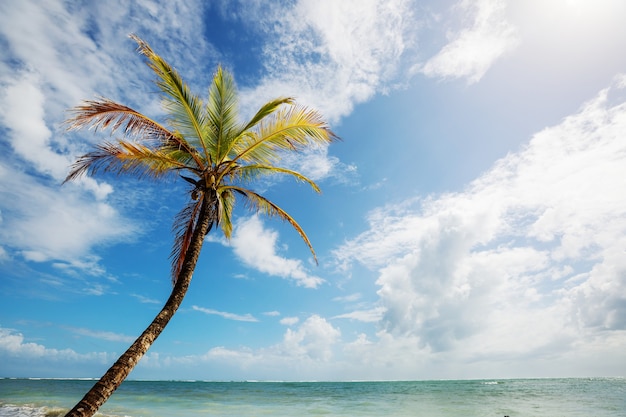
x=117, y=373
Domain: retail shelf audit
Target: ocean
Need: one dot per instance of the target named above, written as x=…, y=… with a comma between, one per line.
x=569, y=397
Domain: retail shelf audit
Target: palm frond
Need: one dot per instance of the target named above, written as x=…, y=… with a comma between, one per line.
x=124, y=157
x=249, y=172
x=104, y=113
x=107, y=114
x=291, y=128
x=183, y=228
x=185, y=108
x=223, y=112
x=266, y=110
x=261, y=204
x=226, y=200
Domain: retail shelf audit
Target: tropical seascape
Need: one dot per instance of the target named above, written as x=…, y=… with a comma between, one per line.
x=599, y=397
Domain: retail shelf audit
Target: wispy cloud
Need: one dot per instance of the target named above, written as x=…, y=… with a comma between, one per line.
x=332, y=55
x=229, y=316
x=102, y=335
x=473, y=49
x=349, y=298
x=318, y=165
x=373, y=315
x=146, y=300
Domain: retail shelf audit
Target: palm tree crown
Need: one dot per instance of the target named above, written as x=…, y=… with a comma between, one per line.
x=204, y=143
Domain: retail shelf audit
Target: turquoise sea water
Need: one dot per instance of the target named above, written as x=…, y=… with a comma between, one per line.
x=599, y=397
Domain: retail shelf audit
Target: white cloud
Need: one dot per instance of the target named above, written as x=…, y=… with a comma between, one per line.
x=229, y=316
x=289, y=321
x=373, y=315
x=44, y=38
x=4, y=256
x=332, y=55
x=528, y=260
x=257, y=248
x=316, y=164
x=307, y=351
x=314, y=339
x=13, y=343
x=102, y=335
x=349, y=298
x=45, y=223
x=13, y=347
x=23, y=113
x=473, y=50
x=146, y=300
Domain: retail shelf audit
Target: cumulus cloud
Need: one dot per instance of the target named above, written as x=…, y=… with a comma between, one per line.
x=307, y=350
x=314, y=339
x=256, y=246
x=529, y=258
x=13, y=343
x=472, y=50
x=15, y=351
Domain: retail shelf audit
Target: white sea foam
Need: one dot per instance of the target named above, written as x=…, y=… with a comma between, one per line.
x=9, y=410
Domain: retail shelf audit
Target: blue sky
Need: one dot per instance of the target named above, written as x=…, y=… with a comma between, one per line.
x=472, y=222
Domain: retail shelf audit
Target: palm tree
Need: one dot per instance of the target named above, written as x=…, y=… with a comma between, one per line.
x=205, y=145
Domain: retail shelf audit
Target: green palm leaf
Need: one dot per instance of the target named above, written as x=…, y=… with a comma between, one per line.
x=222, y=109
x=186, y=110
x=265, y=110
x=250, y=172
x=291, y=128
x=227, y=203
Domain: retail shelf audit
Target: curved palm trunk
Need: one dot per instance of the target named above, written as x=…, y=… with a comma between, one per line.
x=117, y=373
